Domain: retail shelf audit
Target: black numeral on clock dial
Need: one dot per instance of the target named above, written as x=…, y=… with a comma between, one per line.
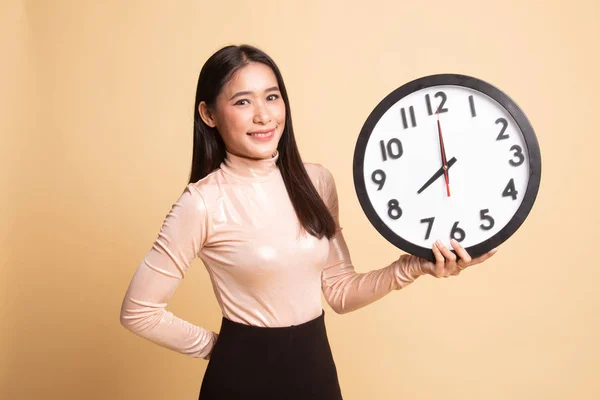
x=457, y=233
x=504, y=123
x=483, y=214
x=509, y=190
x=413, y=120
x=393, y=149
x=378, y=176
x=472, y=105
x=440, y=108
x=429, y=222
x=394, y=210
x=518, y=154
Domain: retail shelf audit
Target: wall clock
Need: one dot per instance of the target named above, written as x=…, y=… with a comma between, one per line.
x=447, y=156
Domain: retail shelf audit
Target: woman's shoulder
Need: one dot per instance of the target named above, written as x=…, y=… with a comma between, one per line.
x=208, y=185
x=317, y=171
x=320, y=176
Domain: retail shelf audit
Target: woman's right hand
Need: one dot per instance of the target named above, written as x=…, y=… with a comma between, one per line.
x=449, y=264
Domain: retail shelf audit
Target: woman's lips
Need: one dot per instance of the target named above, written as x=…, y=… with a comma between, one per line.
x=262, y=135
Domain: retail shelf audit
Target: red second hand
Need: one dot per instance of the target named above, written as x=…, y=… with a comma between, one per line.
x=444, y=162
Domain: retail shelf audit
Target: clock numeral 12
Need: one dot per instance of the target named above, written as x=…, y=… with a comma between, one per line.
x=440, y=108
x=393, y=149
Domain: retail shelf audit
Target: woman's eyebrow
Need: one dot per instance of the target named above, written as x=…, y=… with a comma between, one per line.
x=246, y=93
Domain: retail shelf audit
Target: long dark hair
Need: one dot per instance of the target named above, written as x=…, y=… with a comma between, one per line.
x=209, y=148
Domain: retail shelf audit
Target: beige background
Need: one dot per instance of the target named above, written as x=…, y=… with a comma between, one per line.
x=96, y=116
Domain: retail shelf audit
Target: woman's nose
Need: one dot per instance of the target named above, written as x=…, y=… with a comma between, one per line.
x=261, y=114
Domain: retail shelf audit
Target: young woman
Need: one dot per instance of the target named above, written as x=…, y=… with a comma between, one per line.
x=266, y=226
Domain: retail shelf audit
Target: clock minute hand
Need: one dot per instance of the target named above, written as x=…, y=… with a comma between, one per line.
x=443, y=152
x=437, y=174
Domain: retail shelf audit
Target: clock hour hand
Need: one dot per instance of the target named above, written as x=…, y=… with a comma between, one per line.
x=437, y=174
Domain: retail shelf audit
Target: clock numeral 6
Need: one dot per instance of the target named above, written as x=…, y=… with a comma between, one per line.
x=457, y=233
x=483, y=214
x=394, y=210
x=519, y=154
x=509, y=190
x=378, y=176
x=393, y=149
x=429, y=221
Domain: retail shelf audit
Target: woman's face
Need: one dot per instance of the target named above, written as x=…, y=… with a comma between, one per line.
x=249, y=112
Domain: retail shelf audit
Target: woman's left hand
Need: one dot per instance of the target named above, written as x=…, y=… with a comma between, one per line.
x=447, y=263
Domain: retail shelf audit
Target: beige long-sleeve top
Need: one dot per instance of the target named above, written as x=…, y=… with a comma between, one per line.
x=265, y=269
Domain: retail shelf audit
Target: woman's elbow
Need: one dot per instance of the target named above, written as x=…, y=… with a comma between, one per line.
x=338, y=307
x=127, y=318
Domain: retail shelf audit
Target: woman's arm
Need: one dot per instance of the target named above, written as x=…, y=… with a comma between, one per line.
x=143, y=312
x=346, y=290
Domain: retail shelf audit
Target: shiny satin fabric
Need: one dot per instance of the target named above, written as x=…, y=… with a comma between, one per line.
x=265, y=269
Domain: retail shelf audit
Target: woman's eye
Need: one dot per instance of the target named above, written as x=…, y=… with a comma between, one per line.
x=272, y=97
x=242, y=102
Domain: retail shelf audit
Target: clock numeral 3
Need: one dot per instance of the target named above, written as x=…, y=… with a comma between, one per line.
x=440, y=108
x=413, y=120
x=393, y=149
x=483, y=214
x=394, y=210
x=378, y=176
x=429, y=221
x=509, y=190
x=457, y=233
x=504, y=123
x=519, y=154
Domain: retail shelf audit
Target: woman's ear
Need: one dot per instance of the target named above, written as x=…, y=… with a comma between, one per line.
x=206, y=114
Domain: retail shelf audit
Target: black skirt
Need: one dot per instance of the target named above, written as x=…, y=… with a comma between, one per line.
x=250, y=362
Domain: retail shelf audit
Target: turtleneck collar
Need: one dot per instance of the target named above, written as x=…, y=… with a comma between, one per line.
x=250, y=169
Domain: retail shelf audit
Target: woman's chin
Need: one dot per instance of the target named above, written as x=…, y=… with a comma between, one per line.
x=263, y=151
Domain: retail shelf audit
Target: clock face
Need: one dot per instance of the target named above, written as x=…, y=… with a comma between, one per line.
x=447, y=156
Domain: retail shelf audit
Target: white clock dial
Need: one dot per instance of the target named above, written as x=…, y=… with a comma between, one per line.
x=487, y=158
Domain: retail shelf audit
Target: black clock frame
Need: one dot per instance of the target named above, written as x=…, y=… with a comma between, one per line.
x=535, y=164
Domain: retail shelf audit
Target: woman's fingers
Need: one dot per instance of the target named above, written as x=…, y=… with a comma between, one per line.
x=440, y=261
x=448, y=255
x=465, y=258
x=447, y=263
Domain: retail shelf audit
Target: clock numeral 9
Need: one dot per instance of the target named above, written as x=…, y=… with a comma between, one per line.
x=378, y=176
x=483, y=214
x=440, y=108
x=504, y=123
x=457, y=233
x=519, y=154
x=510, y=190
x=394, y=210
x=429, y=221
x=393, y=149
